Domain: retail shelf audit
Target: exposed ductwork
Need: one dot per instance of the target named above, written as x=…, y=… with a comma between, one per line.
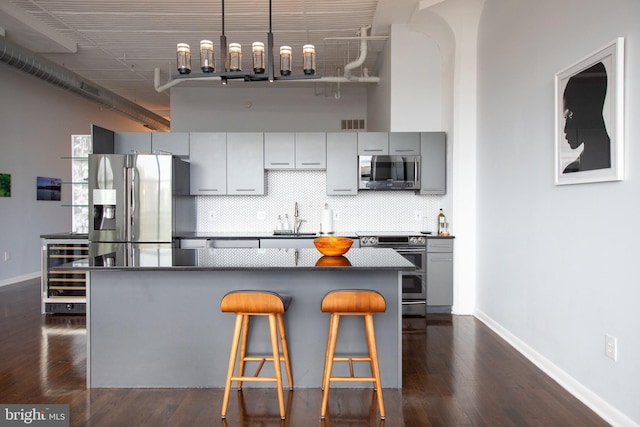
x=31, y=63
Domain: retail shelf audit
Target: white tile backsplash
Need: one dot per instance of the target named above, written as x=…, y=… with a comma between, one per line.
x=368, y=210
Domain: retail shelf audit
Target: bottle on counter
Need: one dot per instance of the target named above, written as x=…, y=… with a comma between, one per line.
x=442, y=220
x=279, y=223
x=287, y=225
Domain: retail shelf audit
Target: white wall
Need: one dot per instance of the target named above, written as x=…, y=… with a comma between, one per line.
x=557, y=265
x=254, y=107
x=416, y=81
x=36, y=124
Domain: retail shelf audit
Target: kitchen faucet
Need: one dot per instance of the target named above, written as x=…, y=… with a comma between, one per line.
x=297, y=222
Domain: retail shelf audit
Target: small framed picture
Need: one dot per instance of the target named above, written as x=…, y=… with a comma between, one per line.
x=5, y=185
x=589, y=118
x=48, y=188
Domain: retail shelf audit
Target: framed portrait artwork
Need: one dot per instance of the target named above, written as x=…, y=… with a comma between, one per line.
x=589, y=118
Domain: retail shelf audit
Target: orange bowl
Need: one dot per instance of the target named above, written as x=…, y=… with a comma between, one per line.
x=333, y=245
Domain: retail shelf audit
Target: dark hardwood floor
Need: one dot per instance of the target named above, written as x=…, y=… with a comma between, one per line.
x=457, y=372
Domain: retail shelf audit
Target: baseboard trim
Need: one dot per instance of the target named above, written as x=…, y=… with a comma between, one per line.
x=598, y=405
x=19, y=279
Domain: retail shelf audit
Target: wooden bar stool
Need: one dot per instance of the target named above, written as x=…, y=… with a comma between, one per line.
x=352, y=303
x=257, y=303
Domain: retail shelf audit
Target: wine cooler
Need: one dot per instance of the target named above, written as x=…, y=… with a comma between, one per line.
x=63, y=291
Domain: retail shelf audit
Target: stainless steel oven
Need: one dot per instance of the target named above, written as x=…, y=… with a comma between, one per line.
x=412, y=246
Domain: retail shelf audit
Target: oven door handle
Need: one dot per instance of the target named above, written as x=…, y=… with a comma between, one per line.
x=410, y=251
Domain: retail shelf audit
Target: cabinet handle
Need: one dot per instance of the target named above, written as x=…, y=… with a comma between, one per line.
x=207, y=189
x=403, y=150
x=441, y=260
x=341, y=189
x=245, y=189
x=310, y=163
x=279, y=163
x=371, y=150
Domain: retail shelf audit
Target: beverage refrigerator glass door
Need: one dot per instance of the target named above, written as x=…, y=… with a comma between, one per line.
x=389, y=172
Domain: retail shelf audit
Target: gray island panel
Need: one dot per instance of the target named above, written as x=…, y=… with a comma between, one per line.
x=162, y=328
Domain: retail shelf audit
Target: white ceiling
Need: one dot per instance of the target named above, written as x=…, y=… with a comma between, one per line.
x=117, y=44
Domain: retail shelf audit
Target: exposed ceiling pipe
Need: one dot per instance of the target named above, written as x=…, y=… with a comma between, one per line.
x=32, y=63
x=363, y=53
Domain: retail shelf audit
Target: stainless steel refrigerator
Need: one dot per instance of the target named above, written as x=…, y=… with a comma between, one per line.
x=138, y=202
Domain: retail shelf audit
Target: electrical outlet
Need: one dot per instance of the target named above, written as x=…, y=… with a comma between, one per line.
x=261, y=215
x=611, y=346
x=417, y=215
x=336, y=215
x=7, y=256
x=212, y=215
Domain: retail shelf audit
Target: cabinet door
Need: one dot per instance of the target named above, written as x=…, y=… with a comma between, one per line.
x=279, y=150
x=404, y=143
x=208, y=170
x=433, y=146
x=373, y=143
x=440, y=279
x=287, y=243
x=245, y=163
x=132, y=142
x=342, y=163
x=311, y=150
x=176, y=143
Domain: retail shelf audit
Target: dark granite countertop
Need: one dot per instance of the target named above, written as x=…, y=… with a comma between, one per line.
x=150, y=257
x=65, y=235
x=245, y=235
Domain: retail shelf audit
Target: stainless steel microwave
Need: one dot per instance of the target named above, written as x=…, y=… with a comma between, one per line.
x=389, y=172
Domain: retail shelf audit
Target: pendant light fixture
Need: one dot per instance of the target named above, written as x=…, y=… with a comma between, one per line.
x=231, y=56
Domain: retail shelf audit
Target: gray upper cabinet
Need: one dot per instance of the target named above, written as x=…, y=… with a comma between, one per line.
x=299, y=150
x=311, y=150
x=433, y=146
x=132, y=142
x=245, y=163
x=208, y=159
x=279, y=150
x=176, y=143
x=404, y=143
x=373, y=143
x=342, y=163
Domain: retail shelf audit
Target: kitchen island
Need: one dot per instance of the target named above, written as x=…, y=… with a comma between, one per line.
x=153, y=316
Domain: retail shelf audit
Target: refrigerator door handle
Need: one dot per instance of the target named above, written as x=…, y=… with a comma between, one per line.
x=130, y=207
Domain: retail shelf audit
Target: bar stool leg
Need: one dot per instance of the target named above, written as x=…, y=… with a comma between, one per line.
x=328, y=365
x=285, y=349
x=373, y=355
x=232, y=364
x=243, y=347
x=276, y=362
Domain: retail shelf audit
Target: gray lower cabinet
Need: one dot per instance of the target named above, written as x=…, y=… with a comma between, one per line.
x=132, y=142
x=439, y=275
x=433, y=146
x=342, y=163
x=233, y=243
x=245, y=163
x=287, y=243
x=208, y=170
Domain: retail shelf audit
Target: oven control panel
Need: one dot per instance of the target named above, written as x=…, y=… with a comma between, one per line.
x=393, y=241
